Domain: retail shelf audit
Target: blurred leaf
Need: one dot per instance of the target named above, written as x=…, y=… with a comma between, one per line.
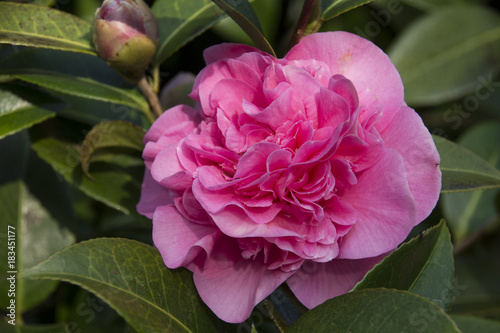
x=113, y=184
x=146, y=295
x=422, y=266
x=372, y=310
x=332, y=8
x=471, y=212
x=87, y=88
x=477, y=269
x=110, y=134
x=180, y=21
x=463, y=170
x=37, y=233
x=430, y=5
x=52, y=328
x=445, y=55
x=86, y=9
x=17, y=113
x=242, y=13
x=469, y=324
x=31, y=25
x=48, y=3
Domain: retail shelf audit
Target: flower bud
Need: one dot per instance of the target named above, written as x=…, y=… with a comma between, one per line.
x=126, y=35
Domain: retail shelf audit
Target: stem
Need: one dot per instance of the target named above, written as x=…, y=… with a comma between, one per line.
x=156, y=79
x=302, y=22
x=151, y=96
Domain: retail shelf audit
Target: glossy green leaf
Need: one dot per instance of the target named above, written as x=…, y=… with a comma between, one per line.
x=332, y=8
x=242, y=13
x=18, y=113
x=38, y=234
x=447, y=54
x=114, y=183
x=180, y=21
x=470, y=212
x=87, y=88
x=423, y=266
x=375, y=310
x=470, y=324
x=56, y=62
x=149, y=296
x=110, y=134
x=31, y=25
x=91, y=111
x=463, y=170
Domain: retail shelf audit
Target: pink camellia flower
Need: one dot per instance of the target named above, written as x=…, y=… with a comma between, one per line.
x=307, y=169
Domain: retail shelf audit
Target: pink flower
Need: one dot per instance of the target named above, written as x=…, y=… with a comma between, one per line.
x=306, y=169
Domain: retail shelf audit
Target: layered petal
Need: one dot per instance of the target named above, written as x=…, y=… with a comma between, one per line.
x=315, y=282
x=179, y=240
x=231, y=285
x=385, y=208
x=153, y=195
x=366, y=65
x=420, y=157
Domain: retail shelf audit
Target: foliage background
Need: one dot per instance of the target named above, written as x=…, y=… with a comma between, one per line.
x=71, y=139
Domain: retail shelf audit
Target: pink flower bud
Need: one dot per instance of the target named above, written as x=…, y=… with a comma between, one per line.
x=126, y=35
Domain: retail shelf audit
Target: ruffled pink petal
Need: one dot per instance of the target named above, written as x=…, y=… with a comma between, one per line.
x=360, y=61
x=179, y=240
x=420, y=156
x=153, y=195
x=174, y=124
x=213, y=74
x=231, y=285
x=167, y=170
x=314, y=283
x=385, y=206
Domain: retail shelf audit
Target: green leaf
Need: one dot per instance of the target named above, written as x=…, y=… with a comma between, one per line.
x=38, y=233
x=470, y=324
x=375, y=310
x=180, y=21
x=55, y=62
x=242, y=13
x=115, y=184
x=18, y=113
x=149, y=296
x=48, y=3
x=87, y=88
x=91, y=111
x=477, y=269
x=423, y=266
x=52, y=328
x=110, y=134
x=444, y=55
x=30, y=25
x=430, y=5
x=463, y=170
x=470, y=212
x=332, y=8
